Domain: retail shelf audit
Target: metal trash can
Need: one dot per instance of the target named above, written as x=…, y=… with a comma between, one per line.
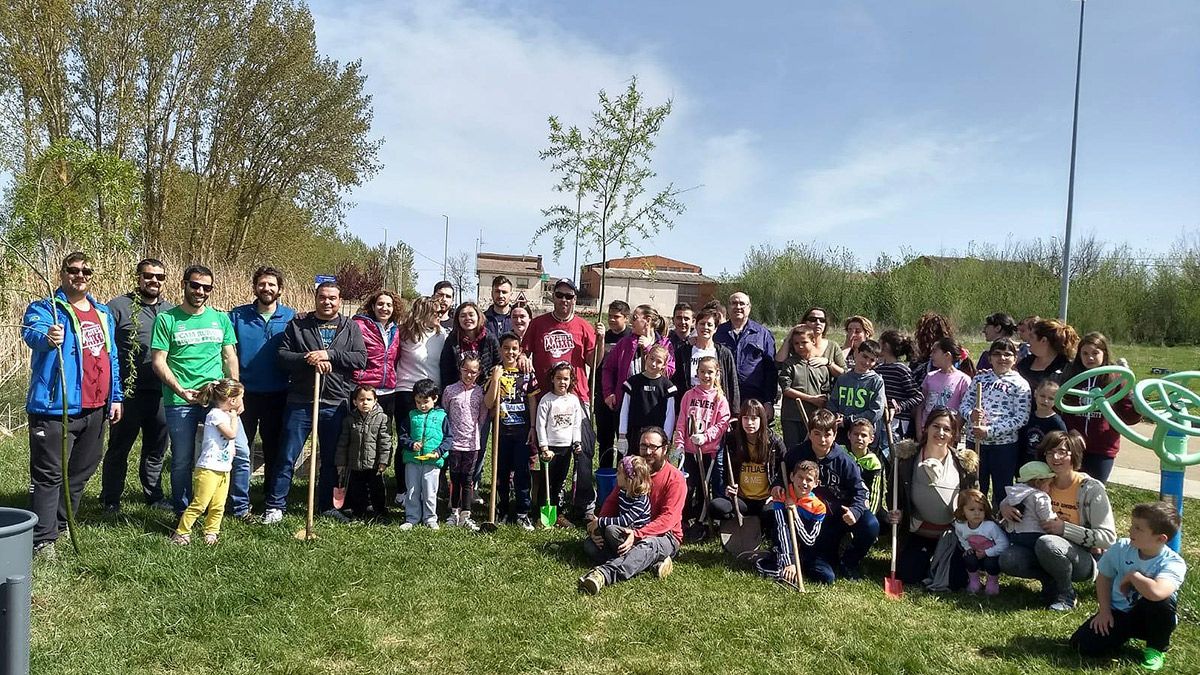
x=16, y=557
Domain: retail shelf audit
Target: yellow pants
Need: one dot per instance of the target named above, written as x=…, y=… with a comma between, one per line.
x=209, y=492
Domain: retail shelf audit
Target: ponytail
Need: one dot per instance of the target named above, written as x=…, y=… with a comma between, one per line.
x=1062, y=336
x=219, y=391
x=901, y=344
x=657, y=322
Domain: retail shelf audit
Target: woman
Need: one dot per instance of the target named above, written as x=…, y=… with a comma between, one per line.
x=1102, y=441
x=995, y=327
x=520, y=317
x=823, y=347
x=689, y=354
x=858, y=328
x=469, y=335
x=1084, y=528
x=376, y=321
x=1052, y=345
x=755, y=453
x=421, y=339
x=648, y=328
x=932, y=327
x=931, y=474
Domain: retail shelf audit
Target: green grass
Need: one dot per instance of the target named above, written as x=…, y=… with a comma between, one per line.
x=372, y=599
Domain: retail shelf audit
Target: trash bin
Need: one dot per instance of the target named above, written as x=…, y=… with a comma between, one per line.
x=606, y=481
x=16, y=553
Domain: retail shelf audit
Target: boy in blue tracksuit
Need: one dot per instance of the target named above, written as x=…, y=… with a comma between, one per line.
x=87, y=335
x=845, y=497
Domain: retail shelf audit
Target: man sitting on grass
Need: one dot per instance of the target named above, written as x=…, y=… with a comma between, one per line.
x=650, y=546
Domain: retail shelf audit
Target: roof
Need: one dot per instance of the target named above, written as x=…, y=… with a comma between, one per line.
x=672, y=277
x=652, y=261
x=502, y=263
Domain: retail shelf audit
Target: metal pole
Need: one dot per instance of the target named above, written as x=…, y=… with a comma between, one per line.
x=446, y=246
x=1065, y=292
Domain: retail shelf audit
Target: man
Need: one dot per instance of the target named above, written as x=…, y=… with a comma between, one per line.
x=443, y=293
x=556, y=336
x=133, y=315
x=323, y=341
x=753, y=349
x=498, y=321
x=192, y=345
x=624, y=553
x=259, y=328
x=83, y=328
x=684, y=319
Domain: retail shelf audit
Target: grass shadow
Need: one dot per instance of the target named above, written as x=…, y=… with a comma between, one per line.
x=1056, y=652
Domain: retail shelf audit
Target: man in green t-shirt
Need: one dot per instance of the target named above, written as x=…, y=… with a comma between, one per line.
x=193, y=345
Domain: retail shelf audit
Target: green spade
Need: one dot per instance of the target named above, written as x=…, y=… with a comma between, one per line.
x=549, y=513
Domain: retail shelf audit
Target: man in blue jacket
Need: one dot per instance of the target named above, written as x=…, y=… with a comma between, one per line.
x=259, y=328
x=753, y=348
x=83, y=328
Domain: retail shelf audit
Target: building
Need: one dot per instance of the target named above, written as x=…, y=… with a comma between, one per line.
x=647, y=280
x=526, y=273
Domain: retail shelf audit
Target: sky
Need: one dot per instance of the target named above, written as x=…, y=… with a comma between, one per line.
x=881, y=126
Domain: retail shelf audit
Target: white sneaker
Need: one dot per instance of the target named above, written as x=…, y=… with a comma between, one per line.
x=465, y=521
x=336, y=515
x=454, y=519
x=524, y=523
x=272, y=516
x=433, y=525
x=406, y=527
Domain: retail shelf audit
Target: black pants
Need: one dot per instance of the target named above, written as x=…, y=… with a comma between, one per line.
x=912, y=563
x=264, y=416
x=989, y=564
x=142, y=413
x=606, y=432
x=695, y=474
x=85, y=435
x=512, y=470
x=363, y=487
x=1150, y=621
x=403, y=403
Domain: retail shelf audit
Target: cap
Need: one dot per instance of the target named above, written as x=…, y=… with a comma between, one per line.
x=566, y=282
x=1034, y=471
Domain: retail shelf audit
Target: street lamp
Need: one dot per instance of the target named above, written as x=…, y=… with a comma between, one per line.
x=446, y=245
x=1065, y=292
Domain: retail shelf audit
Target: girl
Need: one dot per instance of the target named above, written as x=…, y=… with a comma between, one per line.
x=703, y=421
x=470, y=334
x=1103, y=441
x=463, y=402
x=633, y=502
x=376, y=320
x=687, y=358
x=649, y=399
x=210, y=478
x=946, y=386
x=754, y=453
x=559, y=428
x=805, y=380
x=1052, y=345
x=421, y=339
x=980, y=539
x=858, y=328
x=823, y=347
x=648, y=329
x=996, y=326
x=1005, y=409
x=520, y=317
x=931, y=328
x=903, y=395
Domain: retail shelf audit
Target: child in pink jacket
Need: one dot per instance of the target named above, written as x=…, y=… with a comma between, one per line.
x=699, y=429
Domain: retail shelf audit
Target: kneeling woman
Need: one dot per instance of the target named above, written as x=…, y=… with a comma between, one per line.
x=755, y=453
x=932, y=472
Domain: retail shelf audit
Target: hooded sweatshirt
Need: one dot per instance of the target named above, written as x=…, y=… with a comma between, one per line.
x=1006, y=405
x=1033, y=504
x=702, y=411
x=1102, y=439
x=841, y=479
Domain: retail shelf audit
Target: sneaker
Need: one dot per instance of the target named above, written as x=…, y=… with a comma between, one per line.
x=398, y=500
x=272, y=516
x=44, y=550
x=433, y=525
x=993, y=585
x=181, y=539
x=1063, y=605
x=524, y=523
x=1152, y=659
x=335, y=515
x=112, y=509
x=406, y=527
x=161, y=505
x=248, y=518
x=663, y=568
x=210, y=539
x=592, y=582
x=973, y=585
x=454, y=519
x=465, y=521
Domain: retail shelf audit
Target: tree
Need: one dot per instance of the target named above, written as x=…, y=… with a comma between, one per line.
x=459, y=272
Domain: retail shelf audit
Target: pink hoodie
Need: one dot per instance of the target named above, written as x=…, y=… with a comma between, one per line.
x=705, y=412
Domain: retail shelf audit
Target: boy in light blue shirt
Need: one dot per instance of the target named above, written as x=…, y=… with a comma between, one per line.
x=1137, y=587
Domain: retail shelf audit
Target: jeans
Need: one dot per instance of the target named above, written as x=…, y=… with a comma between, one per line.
x=863, y=534
x=404, y=403
x=1054, y=561
x=85, y=432
x=1146, y=620
x=1098, y=466
x=298, y=423
x=182, y=423
x=513, y=459
x=997, y=466
x=644, y=555
x=142, y=413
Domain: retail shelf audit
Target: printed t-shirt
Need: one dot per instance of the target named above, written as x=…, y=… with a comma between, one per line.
x=97, y=368
x=193, y=345
x=752, y=481
x=216, y=451
x=1123, y=557
x=514, y=390
x=1066, y=502
x=551, y=341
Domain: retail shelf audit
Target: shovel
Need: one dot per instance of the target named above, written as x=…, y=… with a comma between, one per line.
x=339, y=492
x=791, y=513
x=307, y=534
x=549, y=513
x=893, y=587
x=490, y=525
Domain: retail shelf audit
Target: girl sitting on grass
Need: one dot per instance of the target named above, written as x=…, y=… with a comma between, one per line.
x=210, y=478
x=980, y=539
x=633, y=502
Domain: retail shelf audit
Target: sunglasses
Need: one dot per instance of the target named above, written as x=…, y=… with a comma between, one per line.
x=815, y=319
x=151, y=276
x=564, y=296
x=197, y=286
x=76, y=271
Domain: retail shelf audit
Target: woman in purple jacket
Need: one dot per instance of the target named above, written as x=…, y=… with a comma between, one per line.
x=376, y=320
x=648, y=329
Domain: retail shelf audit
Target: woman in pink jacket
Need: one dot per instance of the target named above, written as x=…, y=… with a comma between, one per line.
x=648, y=329
x=376, y=320
x=699, y=430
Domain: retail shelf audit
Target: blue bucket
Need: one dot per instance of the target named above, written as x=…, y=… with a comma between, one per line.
x=606, y=482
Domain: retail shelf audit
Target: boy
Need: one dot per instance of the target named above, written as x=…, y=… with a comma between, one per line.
x=858, y=393
x=364, y=450
x=805, y=387
x=683, y=319
x=1137, y=586
x=1043, y=420
x=810, y=514
x=606, y=409
x=511, y=389
x=426, y=439
x=861, y=435
x=845, y=496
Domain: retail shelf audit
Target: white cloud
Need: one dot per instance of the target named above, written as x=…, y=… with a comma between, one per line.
x=729, y=166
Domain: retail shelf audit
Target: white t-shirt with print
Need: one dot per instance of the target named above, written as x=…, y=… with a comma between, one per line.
x=216, y=451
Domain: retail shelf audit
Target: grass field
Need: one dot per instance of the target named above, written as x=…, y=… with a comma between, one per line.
x=372, y=599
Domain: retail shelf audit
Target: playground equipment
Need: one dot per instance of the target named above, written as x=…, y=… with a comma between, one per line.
x=1163, y=401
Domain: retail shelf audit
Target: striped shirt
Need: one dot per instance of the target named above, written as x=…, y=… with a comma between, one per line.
x=633, y=512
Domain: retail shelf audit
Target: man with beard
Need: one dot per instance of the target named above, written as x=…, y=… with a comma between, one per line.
x=443, y=293
x=133, y=315
x=192, y=345
x=259, y=328
x=73, y=321
x=498, y=320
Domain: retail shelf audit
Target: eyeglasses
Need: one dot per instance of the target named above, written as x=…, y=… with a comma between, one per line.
x=649, y=446
x=564, y=296
x=197, y=286
x=151, y=276
x=76, y=271
x=1058, y=452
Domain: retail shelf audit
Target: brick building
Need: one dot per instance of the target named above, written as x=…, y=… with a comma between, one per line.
x=647, y=280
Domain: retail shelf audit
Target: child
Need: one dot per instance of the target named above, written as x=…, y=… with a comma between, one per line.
x=426, y=438
x=1043, y=420
x=365, y=450
x=946, y=386
x=1031, y=497
x=1137, y=586
x=861, y=435
x=702, y=423
x=649, y=399
x=633, y=502
x=1005, y=410
x=559, y=428
x=810, y=514
x=606, y=405
x=804, y=381
x=858, y=392
x=981, y=539
x=511, y=389
x=463, y=402
x=210, y=477
x=902, y=393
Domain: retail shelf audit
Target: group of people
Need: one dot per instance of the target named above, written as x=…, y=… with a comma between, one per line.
x=684, y=414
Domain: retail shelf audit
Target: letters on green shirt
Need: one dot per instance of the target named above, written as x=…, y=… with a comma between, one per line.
x=193, y=345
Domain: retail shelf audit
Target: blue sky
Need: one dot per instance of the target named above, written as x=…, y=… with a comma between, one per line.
x=871, y=125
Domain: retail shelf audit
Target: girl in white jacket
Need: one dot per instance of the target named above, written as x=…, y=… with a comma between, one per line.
x=1005, y=409
x=980, y=539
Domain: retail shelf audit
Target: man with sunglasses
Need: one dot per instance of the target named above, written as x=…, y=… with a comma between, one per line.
x=134, y=314
x=84, y=330
x=753, y=348
x=192, y=345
